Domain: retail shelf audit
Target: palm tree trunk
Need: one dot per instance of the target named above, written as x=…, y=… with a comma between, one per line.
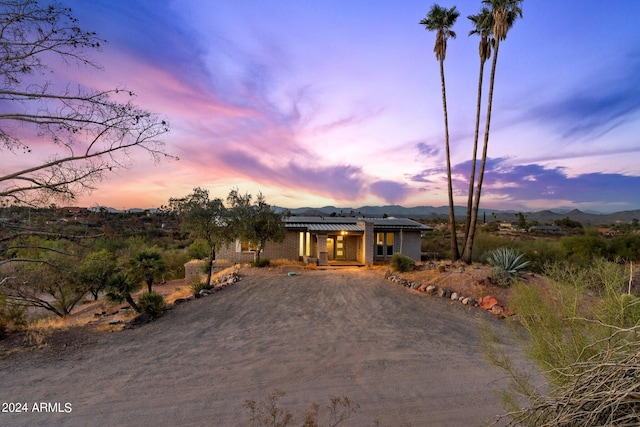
x=455, y=254
x=472, y=175
x=131, y=302
x=476, y=202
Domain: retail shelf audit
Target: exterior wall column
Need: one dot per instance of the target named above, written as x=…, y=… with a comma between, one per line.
x=368, y=243
x=323, y=255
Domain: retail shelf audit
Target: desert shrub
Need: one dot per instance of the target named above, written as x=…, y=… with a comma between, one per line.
x=152, y=304
x=401, y=263
x=484, y=243
x=199, y=249
x=11, y=315
x=582, y=249
x=541, y=252
x=174, y=260
x=583, y=332
x=197, y=284
x=507, y=265
x=626, y=246
x=261, y=263
x=269, y=413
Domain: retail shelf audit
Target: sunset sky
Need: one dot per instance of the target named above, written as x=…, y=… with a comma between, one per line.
x=339, y=103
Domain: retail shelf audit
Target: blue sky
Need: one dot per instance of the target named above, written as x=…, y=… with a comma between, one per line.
x=339, y=103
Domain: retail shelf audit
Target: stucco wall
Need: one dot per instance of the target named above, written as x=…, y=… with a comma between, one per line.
x=287, y=249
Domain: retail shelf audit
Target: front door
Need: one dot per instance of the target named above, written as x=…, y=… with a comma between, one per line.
x=340, y=249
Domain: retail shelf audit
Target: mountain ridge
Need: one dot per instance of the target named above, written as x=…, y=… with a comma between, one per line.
x=442, y=212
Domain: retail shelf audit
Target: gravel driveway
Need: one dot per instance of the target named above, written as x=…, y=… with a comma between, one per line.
x=404, y=357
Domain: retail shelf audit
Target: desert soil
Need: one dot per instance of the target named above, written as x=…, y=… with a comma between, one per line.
x=406, y=358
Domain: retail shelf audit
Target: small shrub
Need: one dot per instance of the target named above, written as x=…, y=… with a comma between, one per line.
x=401, y=263
x=263, y=262
x=197, y=284
x=506, y=265
x=152, y=303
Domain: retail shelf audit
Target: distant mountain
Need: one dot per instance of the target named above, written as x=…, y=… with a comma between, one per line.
x=442, y=212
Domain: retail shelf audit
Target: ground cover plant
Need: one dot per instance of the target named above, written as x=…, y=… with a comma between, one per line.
x=582, y=331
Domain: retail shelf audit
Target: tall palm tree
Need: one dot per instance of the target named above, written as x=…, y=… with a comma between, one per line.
x=440, y=20
x=482, y=26
x=504, y=12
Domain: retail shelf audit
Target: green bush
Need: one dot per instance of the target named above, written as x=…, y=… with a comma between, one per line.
x=506, y=265
x=199, y=249
x=484, y=243
x=401, y=263
x=152, y=304
x=263, y=262
x=541, y=252
x=197, y=284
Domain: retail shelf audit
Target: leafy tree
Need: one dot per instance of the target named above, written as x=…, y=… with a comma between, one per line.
x=567, y=222
x=46, y=278
x=147, y=265
x=120, y=288
x=482, y=25
x=199, y=249
x=504, y=13
x=205, y=219
x=440, y=20
x=96, y=270
x=255, y=222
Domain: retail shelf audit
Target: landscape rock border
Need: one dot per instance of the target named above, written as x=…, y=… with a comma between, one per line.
x=486, y=303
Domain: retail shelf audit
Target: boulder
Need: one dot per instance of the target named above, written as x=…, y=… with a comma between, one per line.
x=497, y=311
x=487, y=302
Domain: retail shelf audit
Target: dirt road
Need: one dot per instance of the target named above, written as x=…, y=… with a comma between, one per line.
x=406, y=358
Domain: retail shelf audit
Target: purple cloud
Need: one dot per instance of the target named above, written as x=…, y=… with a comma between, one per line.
x=343, y=182
x=535, y=182
x=391, y=191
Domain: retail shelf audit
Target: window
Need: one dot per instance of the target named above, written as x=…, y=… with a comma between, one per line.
x=305, y=244
x=384, y=244
x=389, y=244
x=246, y=246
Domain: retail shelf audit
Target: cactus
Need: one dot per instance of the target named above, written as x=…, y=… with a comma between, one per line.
x=507, y=265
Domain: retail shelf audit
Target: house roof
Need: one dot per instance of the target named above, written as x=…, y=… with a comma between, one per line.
x=319, y=223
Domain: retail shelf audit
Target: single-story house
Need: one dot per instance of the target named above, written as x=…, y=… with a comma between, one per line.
x=323, y=240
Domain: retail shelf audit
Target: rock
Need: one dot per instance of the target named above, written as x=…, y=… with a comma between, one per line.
x=115, y=322
x=497, y=311
x=447, y=293
x=441, y=292
x=508, y=311
x=487, y=302
x=466, y=300
x=179, y=301
x=431, y=289
x=422, y=288
x=415, y=285
x=454, y=296
x=140, y=319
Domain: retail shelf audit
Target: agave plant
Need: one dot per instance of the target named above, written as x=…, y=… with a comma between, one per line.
x=506, y=264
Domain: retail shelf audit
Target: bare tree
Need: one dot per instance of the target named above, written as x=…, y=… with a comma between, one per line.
x=57, y=139
x=66, y=138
